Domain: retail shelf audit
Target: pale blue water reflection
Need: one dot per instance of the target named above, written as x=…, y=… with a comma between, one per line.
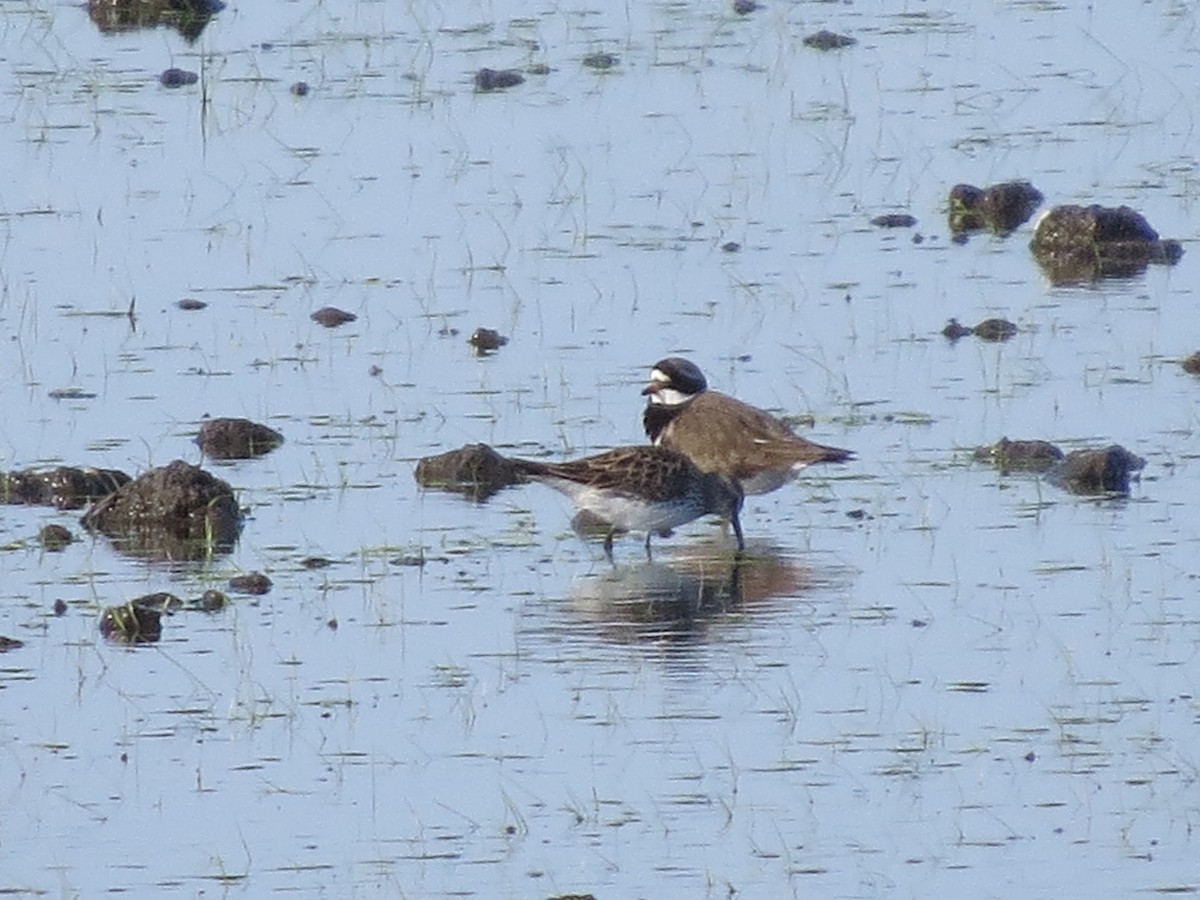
x=930, y=680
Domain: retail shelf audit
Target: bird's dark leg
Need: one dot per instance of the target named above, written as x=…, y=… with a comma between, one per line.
x=649, y=558
x=608, y=539
x=736, y=522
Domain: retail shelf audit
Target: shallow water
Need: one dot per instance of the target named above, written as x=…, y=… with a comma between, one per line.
x=931, y=679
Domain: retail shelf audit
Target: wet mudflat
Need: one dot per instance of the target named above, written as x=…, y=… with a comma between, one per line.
x=931, y=676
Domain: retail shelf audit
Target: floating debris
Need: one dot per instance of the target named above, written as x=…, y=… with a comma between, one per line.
x=894, y=220
x=1079, y=244
x=211, y=601
x=251, y=583
x=138, y=621
x=1000, y=209
x=63, y=487
x=7, y=643
x=71, y=393
x=1020, y=456
x=487, y=80
x=316, y=562
x=191, y=304
x=995, y=330
x=188, y=17
x=486, y=340
x=332, y=317
x=173, y=78
x=731, y=247
x=745, y=7
x=987, y=330
x=829, y=40
x=236, y=439
x=475, y=470
x=299, y=89
x=1104, y=471
x=955, y=330
x=55, y=538
x=601, y=62
x=1191, y=365
x=177, y=511
x=1107, y=470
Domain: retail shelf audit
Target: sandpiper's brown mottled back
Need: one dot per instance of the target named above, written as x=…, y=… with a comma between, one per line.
x=650, y=489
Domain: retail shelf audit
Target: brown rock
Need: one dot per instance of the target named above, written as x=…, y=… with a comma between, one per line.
x=178, y=511
x=475, y=470
x=236, y=439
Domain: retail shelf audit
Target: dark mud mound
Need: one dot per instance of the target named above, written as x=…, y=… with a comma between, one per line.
x=488, y=80
x=1081, y=244
x=236, y=439
x=475, y=470
x=140, y=620
x=1000, y=209
x=1104, y=471
x=188, y=17
x=486, y=340
x=1107, y=470
x=254, y=583
x=991, y=330
x=64, y=487
x=1020, y=456
x=176, y=512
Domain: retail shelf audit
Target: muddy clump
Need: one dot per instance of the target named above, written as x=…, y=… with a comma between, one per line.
x=173, y=78
x=55, y=538
x=894, y=220
x=955, y=330
x=829, y=40
x=1107, y=470
x=236, y=439
x=601, y=61
x=188, y=17
x=1080, y=244
x=488, y=80
x=178, y=511
x=1104, y=471
x=64, y=487
x=992, y=330
x=1191, y=364
x=254, y=583
x=486, y=340
x=1000, y=209
x=332, y=317
x=475, y=470
x=140, y=620
x=1020, y=456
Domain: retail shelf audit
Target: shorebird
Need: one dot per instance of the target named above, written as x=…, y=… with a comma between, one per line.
x=723, y=435
x=650, y=489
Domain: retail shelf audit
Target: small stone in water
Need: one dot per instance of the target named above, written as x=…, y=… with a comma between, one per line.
x=174, y=78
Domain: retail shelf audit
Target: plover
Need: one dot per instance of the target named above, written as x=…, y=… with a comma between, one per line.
x=723, y=435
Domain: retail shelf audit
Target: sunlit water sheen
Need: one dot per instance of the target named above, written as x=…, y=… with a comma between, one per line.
x=930, y=680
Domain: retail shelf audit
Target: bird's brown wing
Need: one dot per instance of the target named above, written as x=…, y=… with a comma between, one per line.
x=720, y=433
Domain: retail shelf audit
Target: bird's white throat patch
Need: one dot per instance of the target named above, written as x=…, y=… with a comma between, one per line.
x=665, y=395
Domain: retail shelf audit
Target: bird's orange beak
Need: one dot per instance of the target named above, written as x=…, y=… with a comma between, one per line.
x=652, y=388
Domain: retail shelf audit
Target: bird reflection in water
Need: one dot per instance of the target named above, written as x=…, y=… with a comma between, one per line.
x=686, y=599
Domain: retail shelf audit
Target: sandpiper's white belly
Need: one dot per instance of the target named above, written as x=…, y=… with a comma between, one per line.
x=631, y=513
